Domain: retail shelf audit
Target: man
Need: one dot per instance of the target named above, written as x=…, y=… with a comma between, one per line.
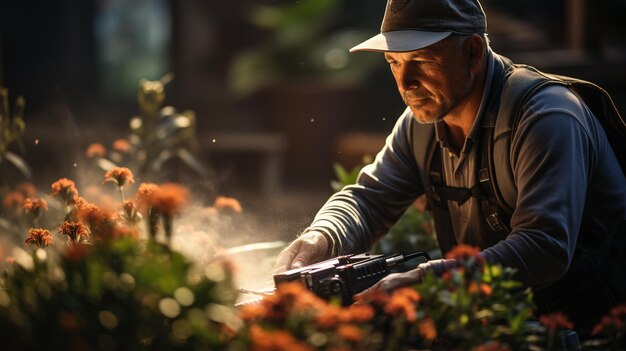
x=571, y=190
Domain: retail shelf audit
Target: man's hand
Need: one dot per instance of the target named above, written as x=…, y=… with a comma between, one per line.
x=398, y=280
x=393, y=281
x=310, y=248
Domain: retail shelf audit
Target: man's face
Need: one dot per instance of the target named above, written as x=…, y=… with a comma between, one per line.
x=432, y=81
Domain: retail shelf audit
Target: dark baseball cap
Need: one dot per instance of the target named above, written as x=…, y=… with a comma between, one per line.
x=414, y=24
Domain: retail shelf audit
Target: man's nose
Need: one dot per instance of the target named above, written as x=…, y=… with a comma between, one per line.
x=407, y=79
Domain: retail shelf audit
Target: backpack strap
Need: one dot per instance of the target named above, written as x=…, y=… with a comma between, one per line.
x=521, y=83
x=428, y=157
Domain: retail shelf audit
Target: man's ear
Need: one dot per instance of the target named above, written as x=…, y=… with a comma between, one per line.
x=475, y=48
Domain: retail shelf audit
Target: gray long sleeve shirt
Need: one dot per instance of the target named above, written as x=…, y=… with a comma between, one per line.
x=571, y=189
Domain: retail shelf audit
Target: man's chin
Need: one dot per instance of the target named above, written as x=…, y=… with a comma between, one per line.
x=425, y=117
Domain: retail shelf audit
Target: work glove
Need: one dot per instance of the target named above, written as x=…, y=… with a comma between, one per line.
x=307, y=249
x=398, y=280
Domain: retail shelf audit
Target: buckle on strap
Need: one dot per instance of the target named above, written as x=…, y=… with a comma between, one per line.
x=493, y=219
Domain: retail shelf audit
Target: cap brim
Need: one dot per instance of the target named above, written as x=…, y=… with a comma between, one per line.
x=401, y=41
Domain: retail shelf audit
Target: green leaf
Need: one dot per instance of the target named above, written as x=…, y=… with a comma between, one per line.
x=341, y=173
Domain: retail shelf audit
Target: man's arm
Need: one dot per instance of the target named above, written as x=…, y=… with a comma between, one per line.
x=354, y=218
x=553, y=158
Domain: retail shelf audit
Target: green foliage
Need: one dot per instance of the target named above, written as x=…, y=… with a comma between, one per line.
x=12, y=127
x=303, y=41
x=476, y=303
x=159, y=136
x=345, y=176
x=123, y=294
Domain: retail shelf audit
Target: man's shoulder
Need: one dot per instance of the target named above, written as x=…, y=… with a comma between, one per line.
x=554, y=99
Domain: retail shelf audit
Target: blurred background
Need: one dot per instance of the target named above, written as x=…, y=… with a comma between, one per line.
x=277, y=99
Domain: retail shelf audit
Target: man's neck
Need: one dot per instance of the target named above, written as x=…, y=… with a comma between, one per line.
x=460, y=120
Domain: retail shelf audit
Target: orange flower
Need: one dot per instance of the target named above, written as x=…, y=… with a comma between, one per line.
x=169, y=198
x=35, y=206
x=75, y=231
x=96, y=150
x=121, y=176
x=145, y=194
x=463, y=252
x=39, y=237
x=26, y=188
x=403, y=300
x=427, y=329
x=492, y=346
x=555, y=321
x=227, y=203
x=255, y=311
x=121, y=145
x=619, y=310
x=329, y=317
x=486, y=289
x=360, y=313
x=65, y=189
x=276, y=340
x=12, y=200
x=99, y=220
x=350, y=332
x=613, y=322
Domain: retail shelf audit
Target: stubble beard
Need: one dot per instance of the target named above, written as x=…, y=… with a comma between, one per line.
x=466, y=79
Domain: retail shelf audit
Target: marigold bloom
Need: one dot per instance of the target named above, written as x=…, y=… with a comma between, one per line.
x=169, y=198
x=90, y=213
x=75, y=231
x=39, y=237
x=360, y=313
x=121, y=145
x=276, y=340
x=483, y=288
x=12, y=200
x=96, y=150
x=350, y=332
x=145, y=195
x=99, y=220
x=486, y=289
x=121, y=176
x=608, y=324
x=403, y=301
x=65, y=189
x=555, y=321
x=463, y=252
x=35, y=206
x=329, y=317
x=427, y=329
x=619, y=310
x=227, y=203
x=253, y=312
